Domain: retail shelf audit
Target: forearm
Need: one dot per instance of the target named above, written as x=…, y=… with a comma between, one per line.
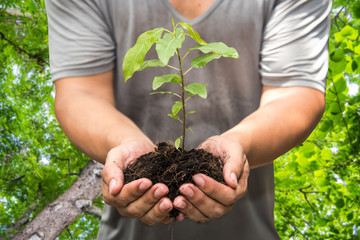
x=89, y=118
x=94, y=126
x=282, y=122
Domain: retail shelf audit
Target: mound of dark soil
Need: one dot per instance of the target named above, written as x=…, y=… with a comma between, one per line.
x=170, y=166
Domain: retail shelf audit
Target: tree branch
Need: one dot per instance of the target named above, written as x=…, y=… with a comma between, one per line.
x=66, y=208
x=94, y=210
x=343, y=118
x=307, y=200
x=40, y=61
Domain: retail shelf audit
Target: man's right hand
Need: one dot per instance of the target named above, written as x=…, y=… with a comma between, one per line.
x=140, y=198
x=85, y=108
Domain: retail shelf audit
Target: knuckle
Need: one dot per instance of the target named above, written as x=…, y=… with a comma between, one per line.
x=149, y=201
x=203, y=219
x=229, y=200
x=122, y=212
x=199, y=201
x=121, y=204
x=218, y=212
x=147, y=222
x=212, y=191
x=132, y=211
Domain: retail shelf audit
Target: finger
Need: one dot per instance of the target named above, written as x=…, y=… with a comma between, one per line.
x=188, y=210
x=223, y=194
x=112, y=173
x=206, y=205
x=137, y=205
x=113, y=177
x=233, y=168
x=180, y=217
x=159, y=213
x=129, y=193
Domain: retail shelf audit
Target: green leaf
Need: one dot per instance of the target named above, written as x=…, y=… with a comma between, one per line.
x=160, y=80
x=338, y=55
x=190, y=129
x=354, y=66
x=218, y=48
x=134, y=58
x=176, y=117
x=191, y=112
x=340, y=203
x=166, y=47
x=177, y=143
x=194, y=35
x=350, y=216
x=201, y=61
x=321, y=222
x=340, y=85
x=165, y=92
x=176, y=107
x=326, y=126
x=151, y=63
x=346, y=32
x=197, y=89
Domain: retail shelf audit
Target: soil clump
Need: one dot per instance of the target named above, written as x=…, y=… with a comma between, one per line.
x=170, y=166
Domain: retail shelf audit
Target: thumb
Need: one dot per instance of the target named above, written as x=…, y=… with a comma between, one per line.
x=231, y=173
x=112, y=174
x=113, y=177
x=233, y=166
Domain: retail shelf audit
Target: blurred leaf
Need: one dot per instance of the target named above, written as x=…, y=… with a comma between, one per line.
x=134, y=58
x=197, y=89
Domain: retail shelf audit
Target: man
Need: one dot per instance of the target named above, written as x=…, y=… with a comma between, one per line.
x=259, y=107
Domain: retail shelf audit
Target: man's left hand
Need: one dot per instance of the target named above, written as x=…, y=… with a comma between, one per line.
x=210, y=199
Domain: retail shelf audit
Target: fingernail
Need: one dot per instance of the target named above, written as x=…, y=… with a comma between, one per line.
x=159, y=192
x=234, y=178
x=144, y=185
x=199, y=180
x=187, y=191
x=180, y=204
x=164, y=206
x=112, y=185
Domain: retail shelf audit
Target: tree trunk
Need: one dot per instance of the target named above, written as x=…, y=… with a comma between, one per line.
x=55, y=217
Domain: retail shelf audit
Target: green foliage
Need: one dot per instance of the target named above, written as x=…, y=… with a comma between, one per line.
x=159, y=81
x=166, y=47
x=134, y=58
x=318, y=184
x=37, y=161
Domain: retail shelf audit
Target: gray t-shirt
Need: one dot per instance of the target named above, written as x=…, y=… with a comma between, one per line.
x=280, y=43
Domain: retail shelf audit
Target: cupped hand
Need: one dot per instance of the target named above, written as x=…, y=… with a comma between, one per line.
x=210, y=199
x=137, y=199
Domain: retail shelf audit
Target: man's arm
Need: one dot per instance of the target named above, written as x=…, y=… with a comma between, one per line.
x=285, y=118
x=85, y=109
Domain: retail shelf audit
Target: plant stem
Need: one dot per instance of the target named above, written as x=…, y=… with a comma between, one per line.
x=182, y=101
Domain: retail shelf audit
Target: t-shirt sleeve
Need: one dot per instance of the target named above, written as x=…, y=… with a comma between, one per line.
x=295, y=44
x=80, y=40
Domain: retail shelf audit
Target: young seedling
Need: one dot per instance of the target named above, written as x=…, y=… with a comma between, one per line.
x=168, y=45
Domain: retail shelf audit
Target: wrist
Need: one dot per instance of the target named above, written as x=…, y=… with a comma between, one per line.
x=241, y=137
